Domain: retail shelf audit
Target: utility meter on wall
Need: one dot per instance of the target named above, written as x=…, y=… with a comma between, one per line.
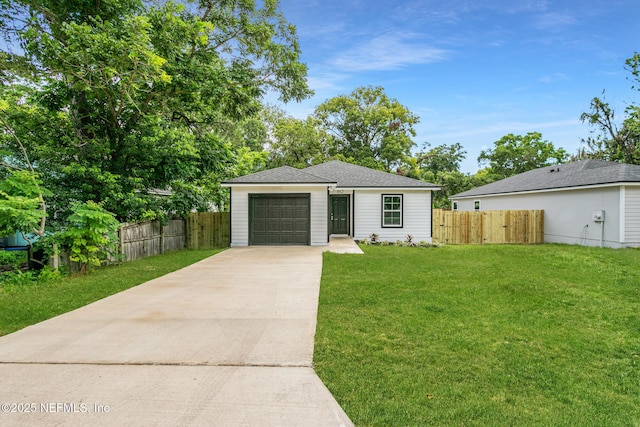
x=598, y=216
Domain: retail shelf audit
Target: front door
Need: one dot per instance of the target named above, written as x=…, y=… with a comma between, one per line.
x=339, y=215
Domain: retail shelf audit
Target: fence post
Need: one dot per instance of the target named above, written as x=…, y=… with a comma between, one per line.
x=121, y=237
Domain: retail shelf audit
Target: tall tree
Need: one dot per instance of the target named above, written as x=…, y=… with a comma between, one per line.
x=514, y=154
x=441, y=158
x=369, y=127
x=609, y=141
x=441, y=165
x=294, y=142
x=141, y=93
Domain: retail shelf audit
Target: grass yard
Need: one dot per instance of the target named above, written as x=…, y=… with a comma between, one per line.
x=482, y=335
x=24, y=305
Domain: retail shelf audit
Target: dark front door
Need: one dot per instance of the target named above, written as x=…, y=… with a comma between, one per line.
x=339, y=215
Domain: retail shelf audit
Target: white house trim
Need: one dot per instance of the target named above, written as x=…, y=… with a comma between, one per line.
x=623, y=191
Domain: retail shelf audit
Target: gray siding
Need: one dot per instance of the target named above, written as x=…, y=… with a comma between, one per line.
x=567, y=214
x=240, y=211
x=632, y=216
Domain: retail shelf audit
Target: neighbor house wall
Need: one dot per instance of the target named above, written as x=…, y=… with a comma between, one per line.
x=567, y=214
x=240, y=210
x=632, y=215
x=416, y=215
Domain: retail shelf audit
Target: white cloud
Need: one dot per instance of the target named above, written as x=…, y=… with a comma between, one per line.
x=554, y=21
x=388, y=52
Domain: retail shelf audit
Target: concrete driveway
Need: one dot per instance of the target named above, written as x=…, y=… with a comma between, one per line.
x=227, y=341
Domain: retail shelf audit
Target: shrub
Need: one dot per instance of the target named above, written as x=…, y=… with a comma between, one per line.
x=91, y=236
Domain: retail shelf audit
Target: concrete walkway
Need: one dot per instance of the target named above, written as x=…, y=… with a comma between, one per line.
x=343, y=245
x=226, y=342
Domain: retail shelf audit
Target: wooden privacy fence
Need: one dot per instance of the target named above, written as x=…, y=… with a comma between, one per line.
x=208, y=230
x=143, y=239
x=488, y=227
x=201, y=230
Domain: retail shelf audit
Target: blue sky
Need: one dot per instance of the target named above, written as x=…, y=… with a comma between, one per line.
x=473, y=71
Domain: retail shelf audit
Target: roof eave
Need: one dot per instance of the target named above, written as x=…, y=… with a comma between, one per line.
x=546, y=190
x=389, y=188
x=271, y=184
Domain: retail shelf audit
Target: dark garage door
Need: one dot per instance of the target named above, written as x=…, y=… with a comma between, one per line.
x=279, y=219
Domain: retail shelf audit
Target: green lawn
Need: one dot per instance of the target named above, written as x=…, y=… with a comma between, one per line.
x=482, y=335
x=24, y=305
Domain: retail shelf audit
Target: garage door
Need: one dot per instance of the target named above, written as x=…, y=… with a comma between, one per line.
x=279, y=219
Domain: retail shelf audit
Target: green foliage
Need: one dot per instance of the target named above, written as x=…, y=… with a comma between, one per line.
x=124, y=96
x=440, y=165
x=608, y=140
x=20, y=203
x=91, y=235
x=18, y=278
x=296, y=143
x=369, y=127
x=441, y=158
x=514, y=154
x=13, y=258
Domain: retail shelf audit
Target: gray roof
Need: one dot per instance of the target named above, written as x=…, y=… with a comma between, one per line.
x=576, y=174
x=344, y=175
x=354, y=176
x=281, y=175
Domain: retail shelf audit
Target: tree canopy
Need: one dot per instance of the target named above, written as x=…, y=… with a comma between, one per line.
x=117, y=97
x=609, y=141
x=368, y=127
x=514, y=154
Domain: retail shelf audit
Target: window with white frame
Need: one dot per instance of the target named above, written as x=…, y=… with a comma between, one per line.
x=454, y=205
x=476, y=205
x=392, y=210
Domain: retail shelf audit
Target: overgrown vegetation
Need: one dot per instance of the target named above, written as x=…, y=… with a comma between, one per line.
x=482, y=335
x=24, y=301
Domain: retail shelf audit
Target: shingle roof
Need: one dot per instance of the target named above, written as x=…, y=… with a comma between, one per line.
x=345, y=175
x=281, y=175
x=576, y=174
x=354, y=176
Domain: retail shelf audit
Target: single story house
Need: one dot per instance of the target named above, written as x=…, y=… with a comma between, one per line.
x=288, y=206
x=588, y=202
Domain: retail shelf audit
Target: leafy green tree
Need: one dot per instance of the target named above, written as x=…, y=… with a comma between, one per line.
x=21, y=204
x=91, y=235
x=293, y=142
x=608, y=140
x=514, y=154
x=441, y=158
x=369, y=128
x=123, y=96
x=440, y=165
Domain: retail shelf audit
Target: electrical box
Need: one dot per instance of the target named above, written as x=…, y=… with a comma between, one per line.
x=598, y=216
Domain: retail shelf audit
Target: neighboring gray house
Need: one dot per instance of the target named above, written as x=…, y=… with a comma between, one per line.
x=288, y=206
x=589, y=202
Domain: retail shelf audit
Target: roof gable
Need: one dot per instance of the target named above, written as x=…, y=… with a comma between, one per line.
x=576, y=174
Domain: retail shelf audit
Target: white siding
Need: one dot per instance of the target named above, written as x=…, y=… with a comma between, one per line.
x=240, y=211
x=567, y=214
x=416, y=213
x=632, y=216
